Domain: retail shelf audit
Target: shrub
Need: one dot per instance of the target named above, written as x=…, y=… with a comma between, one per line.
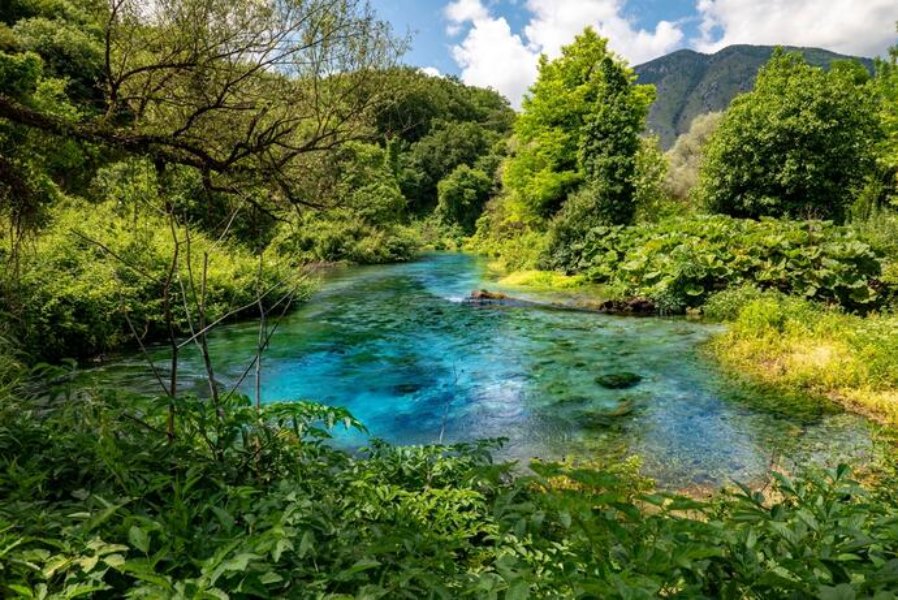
x=92, y=266
x=341, y=235
x=681, y=261
x=247, y=503
x=726, y=304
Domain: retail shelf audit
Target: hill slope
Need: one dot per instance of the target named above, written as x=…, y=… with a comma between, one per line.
x=690, y=83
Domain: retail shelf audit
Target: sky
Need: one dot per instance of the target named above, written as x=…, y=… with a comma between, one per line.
x=496, y=43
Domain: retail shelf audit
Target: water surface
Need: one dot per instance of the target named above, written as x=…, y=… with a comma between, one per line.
x=400, y=349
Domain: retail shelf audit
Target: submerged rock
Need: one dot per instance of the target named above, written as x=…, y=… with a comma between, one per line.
x=619, y=381
x=404, y=389
x=607, y=418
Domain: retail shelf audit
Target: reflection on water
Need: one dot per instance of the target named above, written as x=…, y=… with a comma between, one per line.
x=397, y=346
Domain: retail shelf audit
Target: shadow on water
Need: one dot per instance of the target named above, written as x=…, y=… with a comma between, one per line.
x=399, y=348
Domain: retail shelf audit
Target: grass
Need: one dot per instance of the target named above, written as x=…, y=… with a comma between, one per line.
x=544, y=280
x=796, y=345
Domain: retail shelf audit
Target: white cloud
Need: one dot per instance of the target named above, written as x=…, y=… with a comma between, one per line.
x=492, y=55
x=556, y=22
x=861, y=27
x=431, y=71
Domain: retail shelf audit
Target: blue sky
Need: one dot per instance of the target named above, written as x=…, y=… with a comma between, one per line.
x=496, y=42
x=432, y=46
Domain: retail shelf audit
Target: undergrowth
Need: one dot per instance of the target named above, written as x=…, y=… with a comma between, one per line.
x=96, y=500
x=795, y=344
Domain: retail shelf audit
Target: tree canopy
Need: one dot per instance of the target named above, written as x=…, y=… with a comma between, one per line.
x=800, y=145
x=578, y=98
x=241, y=92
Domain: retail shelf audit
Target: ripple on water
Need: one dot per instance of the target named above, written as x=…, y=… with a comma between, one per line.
x=397, y=346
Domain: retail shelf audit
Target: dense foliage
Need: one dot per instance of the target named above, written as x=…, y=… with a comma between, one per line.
x=435, y=125
x=800, y=145
x=163, y=170
x=577, y=157
x=679, y=262
x=97, y=267
x=462, y=196
x=582, y=116
x=246, y=503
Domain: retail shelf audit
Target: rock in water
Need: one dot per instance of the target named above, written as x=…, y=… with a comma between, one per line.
x=618, y=381
x=487, y=295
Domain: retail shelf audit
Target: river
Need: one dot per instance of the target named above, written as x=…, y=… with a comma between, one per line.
x=398, y=346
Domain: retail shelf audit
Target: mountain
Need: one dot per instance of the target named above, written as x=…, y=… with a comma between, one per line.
x=690, y=83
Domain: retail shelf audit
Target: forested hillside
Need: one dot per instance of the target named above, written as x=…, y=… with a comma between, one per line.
x=690, y=83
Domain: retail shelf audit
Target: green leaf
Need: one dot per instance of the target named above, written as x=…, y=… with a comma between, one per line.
x=139, y=539
x=843, y=591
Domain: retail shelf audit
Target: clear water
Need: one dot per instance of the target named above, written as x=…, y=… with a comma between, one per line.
x=400, y=349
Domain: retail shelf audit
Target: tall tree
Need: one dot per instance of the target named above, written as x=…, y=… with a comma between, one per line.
x=572, y=125
x=800, y=145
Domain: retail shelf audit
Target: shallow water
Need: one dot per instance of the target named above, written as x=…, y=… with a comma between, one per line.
x=397, y=346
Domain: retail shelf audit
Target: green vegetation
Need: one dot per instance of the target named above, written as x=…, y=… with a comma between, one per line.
x=801, y=145
x=692, y=84
x=160, y=175
x=679, y=262
x=792, y=344
x=251, y=503
x=582, y=118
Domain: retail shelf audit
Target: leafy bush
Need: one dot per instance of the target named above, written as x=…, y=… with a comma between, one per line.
x=726, y=304
x=462, y=196
x=799, y=145
x=513, y=241
x=680, y=262
x=93, y=266
x=341, y=235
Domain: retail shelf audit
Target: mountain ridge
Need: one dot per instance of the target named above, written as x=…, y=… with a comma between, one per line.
x=691, y=83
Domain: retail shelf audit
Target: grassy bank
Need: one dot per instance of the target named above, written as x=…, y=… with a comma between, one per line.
x=796, y=345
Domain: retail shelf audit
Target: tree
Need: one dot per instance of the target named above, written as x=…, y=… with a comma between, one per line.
x=462, y=196
x=800, y=145
x=241, y=92
x=583, y=111
x=544, y=167
x=581, y=117
x=437, y=124
x=610, y=143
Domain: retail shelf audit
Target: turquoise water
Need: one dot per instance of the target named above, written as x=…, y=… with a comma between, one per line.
x=400, y=349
